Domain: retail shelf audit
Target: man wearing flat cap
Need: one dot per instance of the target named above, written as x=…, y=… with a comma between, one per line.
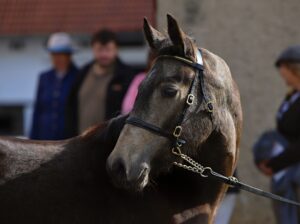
x=53, y=88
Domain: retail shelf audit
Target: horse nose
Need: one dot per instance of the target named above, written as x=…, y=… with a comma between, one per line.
x=135, y=176
x=137, y=173
x=116, y=167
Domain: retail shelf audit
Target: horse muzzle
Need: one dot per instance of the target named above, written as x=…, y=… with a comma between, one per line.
x=135, y=177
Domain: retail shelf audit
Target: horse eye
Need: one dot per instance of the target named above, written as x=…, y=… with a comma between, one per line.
x=169, y=92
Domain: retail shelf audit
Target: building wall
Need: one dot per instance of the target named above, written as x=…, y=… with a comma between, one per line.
x=248, y=35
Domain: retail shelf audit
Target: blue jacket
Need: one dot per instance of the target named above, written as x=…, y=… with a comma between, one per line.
x=49, y=110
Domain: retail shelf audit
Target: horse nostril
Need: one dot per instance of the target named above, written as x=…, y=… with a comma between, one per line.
x=118, y=168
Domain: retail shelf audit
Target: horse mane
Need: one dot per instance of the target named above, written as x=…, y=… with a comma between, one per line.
x=107, y=131
x=94, y=130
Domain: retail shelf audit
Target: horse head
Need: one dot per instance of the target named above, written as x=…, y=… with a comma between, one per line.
x=140, y=154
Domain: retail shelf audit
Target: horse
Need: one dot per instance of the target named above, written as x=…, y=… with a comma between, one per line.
x=161, y=122
x=66, y=182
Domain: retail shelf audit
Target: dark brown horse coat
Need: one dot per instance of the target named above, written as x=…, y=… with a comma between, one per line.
x=66, y=182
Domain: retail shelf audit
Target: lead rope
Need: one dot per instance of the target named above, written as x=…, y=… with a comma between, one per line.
x=232, y=181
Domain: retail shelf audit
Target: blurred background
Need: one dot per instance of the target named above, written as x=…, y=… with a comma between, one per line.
x=249, y=35
x=24, y=29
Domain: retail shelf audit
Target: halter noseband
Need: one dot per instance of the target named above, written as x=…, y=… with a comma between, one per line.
x=190, y=98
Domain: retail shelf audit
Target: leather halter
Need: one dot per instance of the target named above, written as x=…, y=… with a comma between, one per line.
x=177, y=142
x=190, y=98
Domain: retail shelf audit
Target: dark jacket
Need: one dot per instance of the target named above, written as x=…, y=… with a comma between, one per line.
x=116, y=90
x=288, y=124
x=49, y=113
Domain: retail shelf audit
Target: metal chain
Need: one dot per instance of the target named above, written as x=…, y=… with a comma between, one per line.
x=194, y=166
x=197, y=167
x=231, y=181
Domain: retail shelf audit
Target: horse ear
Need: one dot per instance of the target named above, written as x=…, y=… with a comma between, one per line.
x=176, y=35
x=153, y=36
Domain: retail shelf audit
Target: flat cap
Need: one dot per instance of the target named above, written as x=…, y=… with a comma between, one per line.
x=291, y=54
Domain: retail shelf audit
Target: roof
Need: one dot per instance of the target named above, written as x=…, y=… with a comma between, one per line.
x=27, y=17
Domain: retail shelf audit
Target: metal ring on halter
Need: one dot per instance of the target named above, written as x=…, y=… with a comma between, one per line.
x=190, y=99
x=177, y=131
x=209, y=106
x=204, y=170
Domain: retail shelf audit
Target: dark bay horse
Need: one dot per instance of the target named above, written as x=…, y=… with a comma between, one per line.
x=66, y=182
x=143, y=151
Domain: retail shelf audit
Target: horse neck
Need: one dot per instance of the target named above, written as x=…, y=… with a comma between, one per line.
x=19, y=156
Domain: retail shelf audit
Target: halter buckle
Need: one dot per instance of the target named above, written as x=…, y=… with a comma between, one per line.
x=190, y=99
x=177, y=131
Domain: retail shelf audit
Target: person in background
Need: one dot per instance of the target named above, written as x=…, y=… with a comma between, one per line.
x=53, y=89
x=281, y=165
x=288, y=116
x=132, y=91
x=100, y=87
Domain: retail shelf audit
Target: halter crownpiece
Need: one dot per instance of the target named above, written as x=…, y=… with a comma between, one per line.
x=177, y=142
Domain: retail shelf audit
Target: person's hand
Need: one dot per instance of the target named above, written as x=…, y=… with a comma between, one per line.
x=265, y=169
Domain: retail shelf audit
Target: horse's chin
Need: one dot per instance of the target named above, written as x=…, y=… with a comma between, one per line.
x=139, y=185
x=134, y=187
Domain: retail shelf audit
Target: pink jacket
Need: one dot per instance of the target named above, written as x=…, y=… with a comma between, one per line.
x=131, y=94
